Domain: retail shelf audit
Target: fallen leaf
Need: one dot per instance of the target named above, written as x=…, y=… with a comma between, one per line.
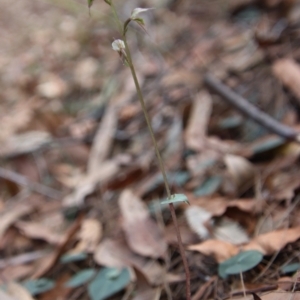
x=105, y=172
x=11, y=215
x=288, y=72
x=18, y=291
x=240, y=170
x=198, y=122
x=271, y=242
x=115, y=253
x=142, y=233
x=281, y=295
x=199, y=220
x=39, y=231
x=220, y=250
x=230, y=231
x=24, y=143
x=5, y=296
x=11, y=273
x=89, y=236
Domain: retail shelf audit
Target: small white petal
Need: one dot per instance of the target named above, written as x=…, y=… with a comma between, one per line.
x=137, y=11
x=118, y=45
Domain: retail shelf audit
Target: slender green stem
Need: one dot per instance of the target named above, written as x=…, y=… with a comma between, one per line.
x=162, y=168
x=159, y=158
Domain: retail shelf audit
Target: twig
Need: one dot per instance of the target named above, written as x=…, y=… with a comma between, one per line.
x=250, y=110
x=34, y=186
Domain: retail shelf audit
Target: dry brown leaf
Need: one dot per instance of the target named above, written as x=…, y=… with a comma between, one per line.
x=115, y=253
x=5, y=296
x=11, y=273
x=24, y=143
x=199, y=219
x=106, y=171
x=103, y=140
x=288, y=72
x=198, y=121
x=18, y=291
x=11, y=215
x=230, y=231
x=281, y=295
x=240, y=170
x=142, y=233
x=220, y=250
x=89, y=236
x=39, y=231
x=85, y=72
x=271, y=242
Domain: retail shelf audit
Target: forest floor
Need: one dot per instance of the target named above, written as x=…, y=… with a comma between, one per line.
x=80, y=186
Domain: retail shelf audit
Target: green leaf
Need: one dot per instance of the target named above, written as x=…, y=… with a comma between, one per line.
x=108, y=2
x=68, y=258
x=290, y=268
x=268, y=145
x=90, y=3
x=108, y=282
x=209, y=186
x=80, y=278
x=39, y=286
x=176, y=198
x=242, y=262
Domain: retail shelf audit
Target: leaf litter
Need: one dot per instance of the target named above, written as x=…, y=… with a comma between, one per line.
x=75, y=141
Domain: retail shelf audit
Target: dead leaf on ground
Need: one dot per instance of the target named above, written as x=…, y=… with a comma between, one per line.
x=142, y=233
x=220, y=250
x=24, y=143
x=199, y=220
x=11, y=273
x=18, y=291
x=89, y=236
x=198, y=121
x=12, y=214
x=39, y=231
x=288, y=72
x=271, y=242
x=281, y=295
x=115, y=253
x=5, y=296
x=240, y=170
x=105, y=172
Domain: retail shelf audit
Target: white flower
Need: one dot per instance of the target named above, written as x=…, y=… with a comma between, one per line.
x=118, y=45
x=137, y=11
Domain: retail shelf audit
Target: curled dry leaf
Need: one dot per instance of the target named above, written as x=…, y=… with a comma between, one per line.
x=115, y=253
x=89, y=236
x=219, y=249
x=142, y=233
x=271, y=242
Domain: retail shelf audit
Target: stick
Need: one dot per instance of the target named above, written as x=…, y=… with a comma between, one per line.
x=34, y=186
x=250, y=110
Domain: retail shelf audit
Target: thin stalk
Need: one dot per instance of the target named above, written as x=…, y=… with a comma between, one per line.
x=159, y=158
x=162, y=169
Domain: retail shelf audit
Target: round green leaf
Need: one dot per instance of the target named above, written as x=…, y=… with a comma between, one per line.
x=242, y=262
x=68, y=258
x=80, y=278
x=108, y=282
x=39, y=286
x=291, y=268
